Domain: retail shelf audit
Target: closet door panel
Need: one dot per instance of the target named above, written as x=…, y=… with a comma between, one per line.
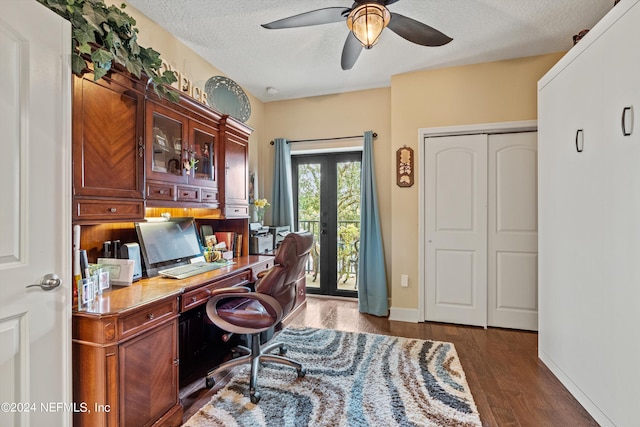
x=571, y=238
x=456, y=258
x=513, y=231
x=621, y=298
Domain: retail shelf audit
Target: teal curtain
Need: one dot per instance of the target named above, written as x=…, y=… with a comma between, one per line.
x=372, y=276
x=282, y=203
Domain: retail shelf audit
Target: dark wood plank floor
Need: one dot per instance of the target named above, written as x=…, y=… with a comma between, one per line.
x=510, y=385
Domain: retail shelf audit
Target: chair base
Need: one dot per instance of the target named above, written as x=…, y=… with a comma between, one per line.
x=255, y=357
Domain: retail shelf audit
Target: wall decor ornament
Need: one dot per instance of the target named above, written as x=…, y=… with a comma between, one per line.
x=404, y=166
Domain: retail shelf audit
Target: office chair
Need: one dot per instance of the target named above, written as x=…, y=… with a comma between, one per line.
x=240, y=311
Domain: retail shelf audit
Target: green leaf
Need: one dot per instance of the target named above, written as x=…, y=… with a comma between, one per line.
x=84, y=34
x=78, y=65
x=84, y=48
x=95, y=16
x=134, y=68
x=99, y=72
x=101, y=56
x=169, y=77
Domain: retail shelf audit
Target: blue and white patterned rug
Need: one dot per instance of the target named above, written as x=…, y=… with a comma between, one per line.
x=353, y=379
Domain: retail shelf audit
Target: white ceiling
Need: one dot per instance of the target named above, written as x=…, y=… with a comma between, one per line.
x=301, y=62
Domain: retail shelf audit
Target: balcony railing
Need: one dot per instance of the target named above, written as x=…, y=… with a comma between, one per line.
x=348, y=240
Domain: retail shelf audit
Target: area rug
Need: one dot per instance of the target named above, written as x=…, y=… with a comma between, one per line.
x=353, y=379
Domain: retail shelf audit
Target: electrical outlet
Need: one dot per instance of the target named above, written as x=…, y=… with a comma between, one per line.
x=404, y=280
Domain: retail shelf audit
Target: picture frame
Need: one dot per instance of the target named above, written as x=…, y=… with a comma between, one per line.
x=404, y=167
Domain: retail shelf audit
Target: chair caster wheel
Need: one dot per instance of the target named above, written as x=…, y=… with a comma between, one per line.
x=302, y=372
x=209, y=382
x=283, y=351
x=255, y=397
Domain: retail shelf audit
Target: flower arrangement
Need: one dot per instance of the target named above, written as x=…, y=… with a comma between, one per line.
x=261, y=206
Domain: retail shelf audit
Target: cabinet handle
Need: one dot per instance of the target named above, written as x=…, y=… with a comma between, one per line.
x=176, y=362
x=113, y=210
x=161, y=192
x=627, y=126
x=194, y=299
x=150, y=316
x=579, y=140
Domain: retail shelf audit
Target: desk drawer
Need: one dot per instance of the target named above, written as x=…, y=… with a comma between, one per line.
x=202, y=294
x=188, y=194
x=147, y=317
x=108, y=210
x=161, y=191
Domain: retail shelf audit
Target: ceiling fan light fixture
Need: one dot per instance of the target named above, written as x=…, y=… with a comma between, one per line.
x=367, y=21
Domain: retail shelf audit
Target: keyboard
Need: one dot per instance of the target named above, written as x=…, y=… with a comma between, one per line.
x=184, y=271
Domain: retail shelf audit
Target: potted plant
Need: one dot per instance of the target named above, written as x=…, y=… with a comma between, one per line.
x=106, y=34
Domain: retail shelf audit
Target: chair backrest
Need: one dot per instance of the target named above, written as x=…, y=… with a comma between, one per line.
x=290, y=262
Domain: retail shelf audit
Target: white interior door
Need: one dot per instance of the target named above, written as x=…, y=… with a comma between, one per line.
x=456, y=229
x=35, y=215
x=513, y=231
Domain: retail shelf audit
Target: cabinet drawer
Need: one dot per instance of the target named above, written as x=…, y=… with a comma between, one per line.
x=236, y=211
x=188, y=194
x=201, y=295
x=108, y=210
x=147, y=317
x=209, y=196
x=161, y=191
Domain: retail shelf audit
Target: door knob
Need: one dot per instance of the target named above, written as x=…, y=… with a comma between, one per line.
x=47, y=282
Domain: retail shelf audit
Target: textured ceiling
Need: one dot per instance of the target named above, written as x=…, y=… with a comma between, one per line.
x=303, y=62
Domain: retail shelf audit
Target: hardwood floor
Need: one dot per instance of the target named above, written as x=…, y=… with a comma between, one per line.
x=510, y=385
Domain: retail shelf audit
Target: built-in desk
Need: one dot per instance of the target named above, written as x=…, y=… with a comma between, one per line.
x=126, y=346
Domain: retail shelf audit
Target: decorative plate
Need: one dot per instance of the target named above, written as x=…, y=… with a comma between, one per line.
x=227, y=97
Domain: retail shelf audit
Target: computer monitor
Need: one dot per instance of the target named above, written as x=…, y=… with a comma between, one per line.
x=167, y=244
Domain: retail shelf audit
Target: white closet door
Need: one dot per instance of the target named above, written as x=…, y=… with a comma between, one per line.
x=622, y=220
x=513, y=231
x=572, y=283
x=456, y=194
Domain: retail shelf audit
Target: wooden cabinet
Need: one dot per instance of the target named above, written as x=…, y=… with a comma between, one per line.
x=589, y=193
x=126, y=367
x=108, y=148
x=234, y=184
x=181, y=155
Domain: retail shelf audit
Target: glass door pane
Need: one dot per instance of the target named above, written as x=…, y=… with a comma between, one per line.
x=167, y=145
x=348, y=214
x=309, y=215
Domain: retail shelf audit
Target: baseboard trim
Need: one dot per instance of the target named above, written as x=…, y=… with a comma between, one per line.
x=573, y=388
x=404, y=315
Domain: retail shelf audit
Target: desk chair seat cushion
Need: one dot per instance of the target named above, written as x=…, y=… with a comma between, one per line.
x=247, y=313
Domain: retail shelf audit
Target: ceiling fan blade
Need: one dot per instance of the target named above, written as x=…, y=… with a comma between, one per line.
x=350, y=52
x=417, y=32
x=327, y=15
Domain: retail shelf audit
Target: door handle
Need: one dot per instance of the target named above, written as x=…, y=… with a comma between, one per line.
x=627, y=125
x=579, y=140
x=47, y=282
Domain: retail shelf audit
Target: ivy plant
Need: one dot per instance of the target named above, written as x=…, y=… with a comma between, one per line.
x=107, y=34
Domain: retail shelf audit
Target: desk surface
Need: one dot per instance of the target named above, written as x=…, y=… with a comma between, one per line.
x=120, y=299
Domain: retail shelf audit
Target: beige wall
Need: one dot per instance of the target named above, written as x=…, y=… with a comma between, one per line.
x=330, y=116
x=482, y=93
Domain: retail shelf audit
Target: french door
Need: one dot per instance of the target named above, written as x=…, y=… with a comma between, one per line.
x=327, y=199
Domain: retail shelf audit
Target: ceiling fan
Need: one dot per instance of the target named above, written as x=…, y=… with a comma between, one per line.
x=366, y=19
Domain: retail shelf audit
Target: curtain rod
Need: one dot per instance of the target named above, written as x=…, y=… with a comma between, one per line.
x=325, y=139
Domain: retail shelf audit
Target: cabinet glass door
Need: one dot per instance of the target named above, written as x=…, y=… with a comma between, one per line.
x=167, y=145
x=201, y=150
